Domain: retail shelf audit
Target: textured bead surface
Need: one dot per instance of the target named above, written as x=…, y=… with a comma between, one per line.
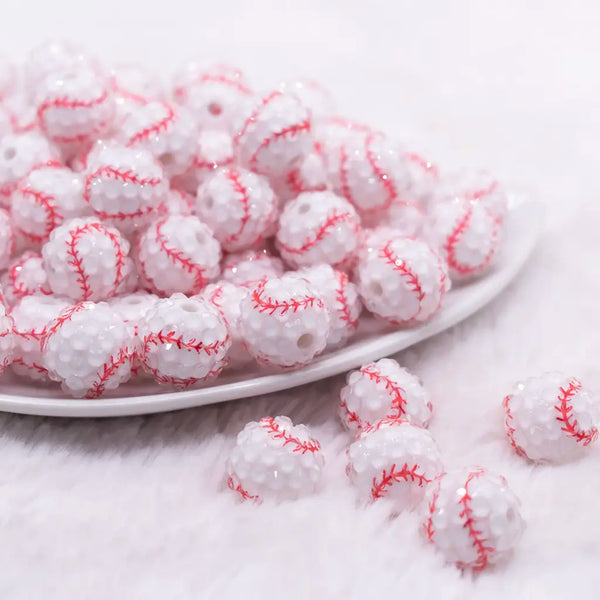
x=124, y=186
x=25, y=276
x=383, y=390
x=227, y=298
x=316, y=98
x=401, y=279
x=184, y=341
x=274, y=135
x=341, y=299
x=88, y=349
x=7, y=339
x=44, y=199
x=316, y=228
x=249, y=267
x=551, y=418
x=467, y=234
x=85, y=259
x=7, y=239
x=31, y=316
x=164, y=131
x=396, y=460
x=178, y=254
x=472, y=517
x=238, y=205
x=284, y=322
x=274, y=459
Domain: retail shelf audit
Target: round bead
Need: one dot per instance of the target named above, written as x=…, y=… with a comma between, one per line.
x=25, y=276
x=383, y=390
x=551, y=418
x=472, y=517
x=274, y=135
x=396, y=460
x=88, y=349
x=184, y=341
x=31, y=316
x=238, y=205
x=85, y=260
x=178, y=254
x=274, y=459
x=284, y=322
x=401, y=279
x=316, y=228
x=250, y=267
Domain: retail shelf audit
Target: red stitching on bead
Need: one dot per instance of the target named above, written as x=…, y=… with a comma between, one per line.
x=18, y=289
x=351, y=416
x=178, y=382
x=564, y=407
x=386, y=181
x=154, y=129
x=510, y=430
x=236, y=486
x=31, y=334
x=55, y=325
x=214, y=78
x=127, y=94
x=380, y=488
x=271, y=306
x=53, y=218
x=397, y=399
x=33, y=366
x=478, y=194
x=428, y=525
x=278, y=433
x=340, y=298
x=345, y=184
x=242, y=191
x=179, y=259
x=108, y=370
x=478, y=541
x=253, y=115
x=77, y=262
x=287, y=132
x=171, y=337
x=69, y=103
x=126, y=177
x=421, y=162
x=332, y=220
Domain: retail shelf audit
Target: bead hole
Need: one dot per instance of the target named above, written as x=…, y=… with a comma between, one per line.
x=189, y=307
x=305, y=341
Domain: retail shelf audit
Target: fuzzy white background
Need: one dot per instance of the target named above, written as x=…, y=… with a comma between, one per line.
x=133, y=508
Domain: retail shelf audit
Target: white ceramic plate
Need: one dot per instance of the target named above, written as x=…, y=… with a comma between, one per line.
x=373, y=341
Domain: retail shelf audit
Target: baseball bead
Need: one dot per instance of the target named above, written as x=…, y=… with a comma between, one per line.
x=551, y=418
x=85, y=259
x=402, y=280
x=274, y=135
x=178, y=254
x=7, y=239
x=124, y=186
x=383, y=390
x=274, y=459
x=166, y=132
x=44, y=199
x=238, y=205
x=250, y=267
x=227, y=298
x=284, y=322
x=472, y=517
x=7, y=339
x=74, y=106
x=467, y=234
x=88, y=349
x=216, y=95
x=340, y=297
x=19, y=154
x=316, y=228
x=183, y=341
x=31, y=316
x=396, y=460
x=25, y=276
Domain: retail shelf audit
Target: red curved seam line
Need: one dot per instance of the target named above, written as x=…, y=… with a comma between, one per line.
x=179, y=259
x=564, y=407
x=277, y=433
x=270, y=306
x=398, y=401
x=288, y=132
x=333, y=219
x=236, y=486
x=344, y=182
x=128, y=95
x=351, y=416
x=481, y=193
x=155, y=128
x=478, y=541
x=388, y=478
x=240, y=87
x=33, y=366
x=510, y=430
x=253, y=116
x=31, y=334
x=170, y=337
x=63, y=318
x=53, y=219
x=108, y=370
x=386, y=181
x=69, y=103
x=240, y=189
x=424, y=164
x=340, y=297
x=428, y=525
